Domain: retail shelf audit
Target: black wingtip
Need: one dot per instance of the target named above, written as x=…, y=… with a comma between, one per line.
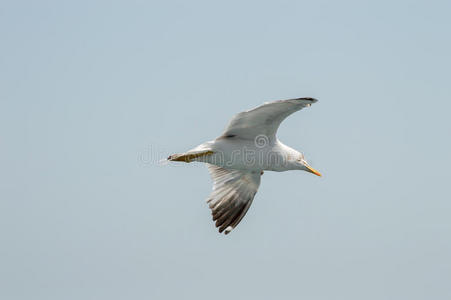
x=313, y=100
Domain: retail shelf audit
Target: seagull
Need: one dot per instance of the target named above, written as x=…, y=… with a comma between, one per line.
x=236, y=159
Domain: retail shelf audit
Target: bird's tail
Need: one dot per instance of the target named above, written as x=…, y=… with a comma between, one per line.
x=189, y=156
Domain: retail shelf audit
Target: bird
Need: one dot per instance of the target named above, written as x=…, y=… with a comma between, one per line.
x=238, y=158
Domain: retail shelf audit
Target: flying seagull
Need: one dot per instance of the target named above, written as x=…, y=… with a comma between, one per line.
x=236, y=159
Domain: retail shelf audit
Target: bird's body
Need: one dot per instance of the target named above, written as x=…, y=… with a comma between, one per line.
x=236, y=159
x=244, y=154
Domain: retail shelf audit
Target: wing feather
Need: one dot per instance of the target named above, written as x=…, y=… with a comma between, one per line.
x=233, y=192
x=264, y=119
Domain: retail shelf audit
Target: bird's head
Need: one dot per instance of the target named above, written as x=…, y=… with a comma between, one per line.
x=301, y=164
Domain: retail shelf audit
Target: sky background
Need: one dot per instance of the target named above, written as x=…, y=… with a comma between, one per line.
x=94, y=93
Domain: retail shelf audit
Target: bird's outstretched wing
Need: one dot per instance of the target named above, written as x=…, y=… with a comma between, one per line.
x=264, y=119
x=233, y=192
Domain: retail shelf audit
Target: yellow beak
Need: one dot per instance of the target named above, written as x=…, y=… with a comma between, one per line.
x=311, y=170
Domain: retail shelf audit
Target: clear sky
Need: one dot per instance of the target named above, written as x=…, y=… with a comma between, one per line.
x=94, y=93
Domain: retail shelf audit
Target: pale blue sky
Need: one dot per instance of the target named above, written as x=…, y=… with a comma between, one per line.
x=93, y=93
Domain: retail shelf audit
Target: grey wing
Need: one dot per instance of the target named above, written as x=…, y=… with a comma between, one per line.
x=233, y=192
x=264, y=119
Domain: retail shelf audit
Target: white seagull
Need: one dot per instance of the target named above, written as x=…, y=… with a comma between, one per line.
x=236, y=160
